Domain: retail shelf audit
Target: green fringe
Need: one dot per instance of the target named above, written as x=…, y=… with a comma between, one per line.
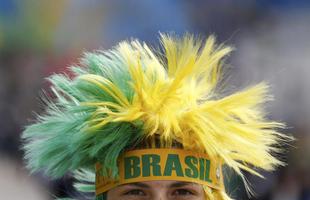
x=59, y=140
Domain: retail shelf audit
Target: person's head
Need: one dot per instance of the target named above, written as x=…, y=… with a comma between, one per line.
x=120, y=97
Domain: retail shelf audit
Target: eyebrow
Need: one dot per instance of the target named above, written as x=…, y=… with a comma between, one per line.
x=180, y=184
x=142, y=185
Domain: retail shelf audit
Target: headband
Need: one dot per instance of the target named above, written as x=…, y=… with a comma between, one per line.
x=163, y=164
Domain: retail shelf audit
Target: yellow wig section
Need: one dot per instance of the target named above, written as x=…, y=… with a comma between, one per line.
x=176, y=98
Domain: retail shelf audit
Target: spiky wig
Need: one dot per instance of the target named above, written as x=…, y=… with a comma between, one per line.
x=120, y=97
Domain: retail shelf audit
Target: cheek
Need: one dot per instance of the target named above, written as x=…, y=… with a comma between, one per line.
x=188, y=198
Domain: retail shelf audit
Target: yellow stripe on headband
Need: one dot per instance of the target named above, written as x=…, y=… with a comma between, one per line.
x=163, y=164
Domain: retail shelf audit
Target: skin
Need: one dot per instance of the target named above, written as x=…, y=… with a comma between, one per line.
x=157, y=190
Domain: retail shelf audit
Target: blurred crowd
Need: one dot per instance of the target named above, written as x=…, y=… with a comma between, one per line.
x=271, y=37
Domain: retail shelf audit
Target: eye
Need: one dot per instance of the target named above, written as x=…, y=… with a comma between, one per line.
x=135, y=192
x=182, y=192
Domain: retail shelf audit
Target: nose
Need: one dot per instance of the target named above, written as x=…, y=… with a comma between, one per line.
x=159, y=195
x=160, y=198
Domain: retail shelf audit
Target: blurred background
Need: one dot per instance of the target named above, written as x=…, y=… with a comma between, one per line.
x=39, y=38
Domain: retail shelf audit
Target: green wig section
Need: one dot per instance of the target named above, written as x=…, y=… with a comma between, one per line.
x=102, y=197
x=60, y=140
x=85, y=185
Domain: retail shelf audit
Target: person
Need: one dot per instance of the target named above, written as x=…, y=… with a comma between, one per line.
x=153, y=123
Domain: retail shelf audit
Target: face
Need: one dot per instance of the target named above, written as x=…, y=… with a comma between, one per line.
x=157, y=190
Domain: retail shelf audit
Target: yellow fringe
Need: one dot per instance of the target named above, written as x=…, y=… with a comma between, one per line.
x=176, y=98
